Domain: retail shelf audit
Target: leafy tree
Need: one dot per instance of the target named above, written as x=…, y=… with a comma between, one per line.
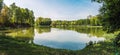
x=92, y=21
x=1, y=4
x=43, y=21
x=38, y=21
x=110, y=12
x=4, y=14
x=21, y=16
x=13, y=13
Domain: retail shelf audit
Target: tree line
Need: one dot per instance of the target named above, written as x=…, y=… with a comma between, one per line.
x=43, y=21
x=89, y=21
x=15, y=16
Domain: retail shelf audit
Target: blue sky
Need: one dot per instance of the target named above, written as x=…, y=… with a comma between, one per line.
x=59, y=9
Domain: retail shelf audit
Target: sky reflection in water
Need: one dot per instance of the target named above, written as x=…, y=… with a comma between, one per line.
x=64, y=39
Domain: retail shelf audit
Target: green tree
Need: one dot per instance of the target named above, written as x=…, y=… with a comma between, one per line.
x=110, y=12
x=4, y=17
x=13, y=13
x=20, y=16
x=43, y=21
x=1, y=4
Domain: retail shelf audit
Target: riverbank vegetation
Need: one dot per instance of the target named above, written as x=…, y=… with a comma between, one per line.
x=16, y=17
x=110, y=14
x=17, y=47
x=43, y=22
x=89, y=21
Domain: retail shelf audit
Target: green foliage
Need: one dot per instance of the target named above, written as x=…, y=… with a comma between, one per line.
x=20, y=47
x=110, y=12
x=15, y=16
x=117, y=40
x=101, y=48
x=21, y=15
x=1, y=4
x=91, y=21
x=23, y=45
x=43, y=29
x=91, y=30
x=43, y=21
x=4, y=17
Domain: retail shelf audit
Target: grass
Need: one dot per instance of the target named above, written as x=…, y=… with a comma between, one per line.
x=12, y=46
x=101, y=48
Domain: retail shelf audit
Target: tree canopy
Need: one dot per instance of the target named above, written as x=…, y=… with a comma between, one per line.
x=1, y=3
x=15, y=16
x=43, y=21
x=90, y=21
x=110, y=13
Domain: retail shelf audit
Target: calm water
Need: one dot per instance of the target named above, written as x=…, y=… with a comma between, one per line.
x=64, y=39
x=60, y=38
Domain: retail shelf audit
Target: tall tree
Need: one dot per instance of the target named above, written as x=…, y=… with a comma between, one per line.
x=43, y=21
x=4, y=15
x=1, y=4
x=21, y=16
x=110, y=12
x=13, y=13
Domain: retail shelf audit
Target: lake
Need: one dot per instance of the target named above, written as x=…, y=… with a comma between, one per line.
x=64, y=39
x=59, y=38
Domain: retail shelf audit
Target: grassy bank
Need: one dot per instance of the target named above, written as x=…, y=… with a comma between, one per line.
x=12, y=46
x=21, y=45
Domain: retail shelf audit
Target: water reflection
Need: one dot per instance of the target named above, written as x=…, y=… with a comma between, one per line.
x=94, y=31
x=23, y=40
x=24, y=34
x=61, y=38
x=64, y=39
x=43, y=29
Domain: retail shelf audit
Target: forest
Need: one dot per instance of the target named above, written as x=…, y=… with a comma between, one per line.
x=89, y=21
x=14, y=16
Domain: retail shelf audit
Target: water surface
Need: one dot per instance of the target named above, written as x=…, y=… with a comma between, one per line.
x=65, y=38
